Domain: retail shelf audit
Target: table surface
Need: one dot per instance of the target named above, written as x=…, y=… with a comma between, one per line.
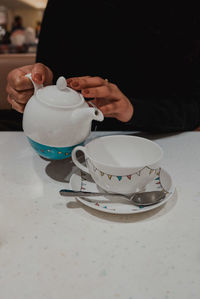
x=52, y=247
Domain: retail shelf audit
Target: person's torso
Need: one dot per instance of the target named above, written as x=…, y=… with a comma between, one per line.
x=143, y=50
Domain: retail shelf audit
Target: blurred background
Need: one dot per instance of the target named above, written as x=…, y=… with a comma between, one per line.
x=20, y=22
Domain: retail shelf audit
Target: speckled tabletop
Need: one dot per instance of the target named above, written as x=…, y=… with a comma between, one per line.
x=52, y=247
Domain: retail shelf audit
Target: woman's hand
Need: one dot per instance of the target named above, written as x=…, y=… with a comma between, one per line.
x=105, y=95
x=20, y=88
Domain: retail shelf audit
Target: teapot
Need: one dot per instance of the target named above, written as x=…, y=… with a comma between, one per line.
x=56, y=119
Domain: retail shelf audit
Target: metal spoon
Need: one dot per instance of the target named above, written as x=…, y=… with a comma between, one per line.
x=138, y=198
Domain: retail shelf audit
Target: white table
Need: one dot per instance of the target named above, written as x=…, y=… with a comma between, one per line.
x=52, y=247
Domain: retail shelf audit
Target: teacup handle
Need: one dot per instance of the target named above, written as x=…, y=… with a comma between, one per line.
x=75, y=160
x=35, y=85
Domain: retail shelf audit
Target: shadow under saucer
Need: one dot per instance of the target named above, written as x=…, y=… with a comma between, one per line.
x=127, y=218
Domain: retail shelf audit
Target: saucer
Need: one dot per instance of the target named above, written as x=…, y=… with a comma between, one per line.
x=117, y=204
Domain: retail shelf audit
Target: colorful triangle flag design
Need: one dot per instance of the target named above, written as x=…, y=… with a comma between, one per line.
x=151, y=170
x=158, y=171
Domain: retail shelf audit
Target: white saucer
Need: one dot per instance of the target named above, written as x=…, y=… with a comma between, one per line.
x=116, y=204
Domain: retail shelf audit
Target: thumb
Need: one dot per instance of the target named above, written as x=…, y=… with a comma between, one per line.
x=38, y=73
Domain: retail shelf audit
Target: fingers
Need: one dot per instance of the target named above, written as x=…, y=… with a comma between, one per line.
x=19, y=96
x=102, y=103
x=41, y=74
x=69, y=80
x=106, y=96
x=17, y=80
x=15, y=105
x=74, y=81
x=110, y=109
x=107, y=108
x=20, y=88
x=79, y=83
x=107, y=91
x=119, y=108
x=38, y=73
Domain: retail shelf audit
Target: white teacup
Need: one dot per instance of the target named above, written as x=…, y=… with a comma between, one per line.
x=120, y=163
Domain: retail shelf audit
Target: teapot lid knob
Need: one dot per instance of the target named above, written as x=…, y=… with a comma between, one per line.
x=61, y=83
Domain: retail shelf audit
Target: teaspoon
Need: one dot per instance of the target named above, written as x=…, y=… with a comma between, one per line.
x=138, y=198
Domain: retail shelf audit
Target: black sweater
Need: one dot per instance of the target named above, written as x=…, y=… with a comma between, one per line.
x=151, y=54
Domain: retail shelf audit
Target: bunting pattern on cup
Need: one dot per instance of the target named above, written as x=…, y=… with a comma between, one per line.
x=159, y=184
x=129, y=176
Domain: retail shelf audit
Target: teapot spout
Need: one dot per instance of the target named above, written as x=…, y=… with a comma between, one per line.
x=96, y=114
x=88, y=114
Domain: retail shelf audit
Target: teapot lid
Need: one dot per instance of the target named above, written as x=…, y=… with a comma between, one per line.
x=59, y=95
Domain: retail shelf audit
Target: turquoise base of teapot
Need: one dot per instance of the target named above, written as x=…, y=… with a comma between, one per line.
x=52, y=153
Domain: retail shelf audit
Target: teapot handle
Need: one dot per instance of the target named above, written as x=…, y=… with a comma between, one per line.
x=36, y=86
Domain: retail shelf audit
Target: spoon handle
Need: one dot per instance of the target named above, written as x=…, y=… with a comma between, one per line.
x=67, y=192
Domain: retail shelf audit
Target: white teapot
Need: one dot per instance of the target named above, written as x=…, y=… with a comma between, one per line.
x=56, y=119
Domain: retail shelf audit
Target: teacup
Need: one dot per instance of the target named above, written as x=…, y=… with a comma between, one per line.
x=120, y=163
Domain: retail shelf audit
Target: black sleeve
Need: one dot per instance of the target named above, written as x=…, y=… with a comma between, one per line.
x=50, y=39
x=159, y=115
x=179, y=112
x=166, y=115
